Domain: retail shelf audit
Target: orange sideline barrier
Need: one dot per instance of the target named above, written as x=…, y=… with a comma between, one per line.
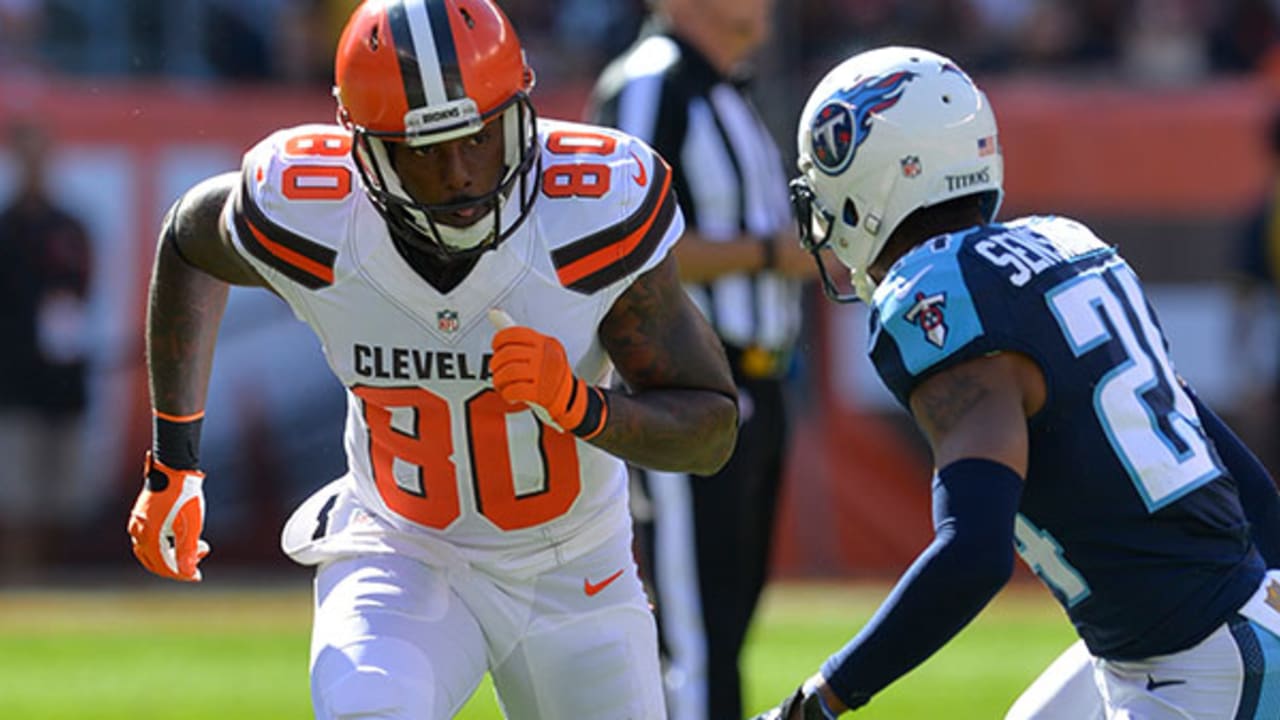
x=1199, y=151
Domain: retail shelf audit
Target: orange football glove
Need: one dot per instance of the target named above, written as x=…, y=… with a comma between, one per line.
x=529, y=367
x=166, y=521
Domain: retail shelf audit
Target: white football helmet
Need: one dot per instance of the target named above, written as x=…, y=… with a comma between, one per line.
x=884, y=133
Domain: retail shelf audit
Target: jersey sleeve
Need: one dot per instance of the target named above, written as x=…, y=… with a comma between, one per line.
x=636, y=219
x=934, y=310
x=295, y=189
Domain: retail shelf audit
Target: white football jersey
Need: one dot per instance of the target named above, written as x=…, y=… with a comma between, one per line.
x=432, y=448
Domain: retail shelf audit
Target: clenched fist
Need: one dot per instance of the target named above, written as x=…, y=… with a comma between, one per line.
x=167, y=520
x=531, y=368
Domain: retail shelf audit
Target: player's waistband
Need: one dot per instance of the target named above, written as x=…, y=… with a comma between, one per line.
x=357, y=523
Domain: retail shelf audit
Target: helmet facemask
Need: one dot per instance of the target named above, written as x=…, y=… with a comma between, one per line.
x=415, y=222
x=815, y=224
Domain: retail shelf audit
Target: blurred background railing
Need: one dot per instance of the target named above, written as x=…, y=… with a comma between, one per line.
x=1147, y=119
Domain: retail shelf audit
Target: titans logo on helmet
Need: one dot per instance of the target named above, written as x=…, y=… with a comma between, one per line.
x=844, y=122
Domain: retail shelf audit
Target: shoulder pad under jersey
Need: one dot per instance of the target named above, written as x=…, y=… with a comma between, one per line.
x=295, y=201
x=606, y=204
x=925, y=306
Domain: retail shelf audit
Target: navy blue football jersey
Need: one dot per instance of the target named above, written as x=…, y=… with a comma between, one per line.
x=1128, y=515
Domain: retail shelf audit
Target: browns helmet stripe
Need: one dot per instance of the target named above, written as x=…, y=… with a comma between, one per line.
x=446, y=51
x=410, y=73
x=428, y=56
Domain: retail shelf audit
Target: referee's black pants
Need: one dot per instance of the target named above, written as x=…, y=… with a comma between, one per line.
x=704, y=548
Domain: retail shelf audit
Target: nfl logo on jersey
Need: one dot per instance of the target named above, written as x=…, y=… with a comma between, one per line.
x=447, y=320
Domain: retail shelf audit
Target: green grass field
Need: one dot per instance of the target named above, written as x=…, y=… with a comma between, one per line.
x=204, y=653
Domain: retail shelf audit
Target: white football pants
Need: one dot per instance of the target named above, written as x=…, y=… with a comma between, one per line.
x=397, y=639
x=1234, y=674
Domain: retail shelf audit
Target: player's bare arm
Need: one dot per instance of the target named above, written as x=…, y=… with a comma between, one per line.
x=190, y=279
x=979, y=409
x=193, y=271
x=680, y=413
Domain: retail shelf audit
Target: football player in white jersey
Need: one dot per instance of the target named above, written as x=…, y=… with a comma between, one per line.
x=475, y=275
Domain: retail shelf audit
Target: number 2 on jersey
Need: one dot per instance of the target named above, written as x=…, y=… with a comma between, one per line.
x=1148, y=418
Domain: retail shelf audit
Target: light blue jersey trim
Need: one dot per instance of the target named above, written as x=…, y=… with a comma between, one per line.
x=925, y=305
x=1260, y=657
x=1269, y=698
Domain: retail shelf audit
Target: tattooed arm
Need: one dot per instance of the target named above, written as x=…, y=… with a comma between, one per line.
x=194, y=268
x=680, y=413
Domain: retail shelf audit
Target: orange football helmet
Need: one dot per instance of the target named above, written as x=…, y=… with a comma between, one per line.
x=428, y=71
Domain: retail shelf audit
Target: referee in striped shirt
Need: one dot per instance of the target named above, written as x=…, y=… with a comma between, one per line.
x=705, y=540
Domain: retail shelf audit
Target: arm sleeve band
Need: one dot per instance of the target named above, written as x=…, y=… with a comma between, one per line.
x=970, y=559
x=176, y=441
x=1258, y=494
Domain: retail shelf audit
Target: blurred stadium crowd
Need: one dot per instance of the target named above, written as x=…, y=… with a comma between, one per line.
x=1109, y=48
x=290, y=41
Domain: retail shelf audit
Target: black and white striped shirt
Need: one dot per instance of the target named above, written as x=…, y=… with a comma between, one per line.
x=728, y=174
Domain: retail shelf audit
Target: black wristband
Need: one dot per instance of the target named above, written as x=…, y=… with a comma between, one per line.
x=594, y=418
x=176, y=443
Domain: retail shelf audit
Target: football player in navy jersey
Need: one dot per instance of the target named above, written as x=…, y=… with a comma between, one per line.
x=1031, y=360
x=478, y=277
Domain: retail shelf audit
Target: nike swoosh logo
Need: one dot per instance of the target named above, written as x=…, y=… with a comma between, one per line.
x=1152, y=683
x=905, y=287
x=643, y=178
x=593, y=589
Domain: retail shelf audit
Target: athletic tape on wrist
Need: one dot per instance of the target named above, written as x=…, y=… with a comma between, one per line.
x=813, y=695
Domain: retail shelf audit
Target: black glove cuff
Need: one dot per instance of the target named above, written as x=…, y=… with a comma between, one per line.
x=597, y=413
x=176, y=442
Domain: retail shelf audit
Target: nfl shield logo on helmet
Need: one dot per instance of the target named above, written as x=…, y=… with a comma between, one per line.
x=447, y=321
x=911, y=166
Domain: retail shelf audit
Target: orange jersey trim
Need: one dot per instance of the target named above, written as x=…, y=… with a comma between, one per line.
x=304, y=264
x=304, y=261
x=605, y=257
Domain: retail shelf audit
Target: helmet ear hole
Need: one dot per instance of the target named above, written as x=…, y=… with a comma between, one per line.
x=849, y=213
